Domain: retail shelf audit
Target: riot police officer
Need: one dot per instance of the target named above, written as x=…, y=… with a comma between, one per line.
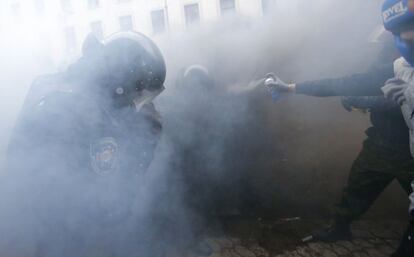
x=81, y=145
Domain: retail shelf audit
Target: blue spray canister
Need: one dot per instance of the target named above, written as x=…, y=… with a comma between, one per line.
x=270, y=83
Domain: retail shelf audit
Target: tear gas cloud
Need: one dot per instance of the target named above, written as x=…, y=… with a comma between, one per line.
x=226, y=150
x=266, y=152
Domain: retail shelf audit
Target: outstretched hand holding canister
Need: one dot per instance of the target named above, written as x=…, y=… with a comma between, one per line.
x=276, y=86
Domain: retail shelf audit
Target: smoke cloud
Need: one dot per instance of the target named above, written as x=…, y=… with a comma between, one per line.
x=266, y=151
x=224, y=151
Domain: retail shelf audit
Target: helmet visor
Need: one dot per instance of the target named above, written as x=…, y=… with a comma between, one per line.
x=146, y=97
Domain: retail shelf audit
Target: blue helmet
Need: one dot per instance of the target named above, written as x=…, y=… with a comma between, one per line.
x=398, y=16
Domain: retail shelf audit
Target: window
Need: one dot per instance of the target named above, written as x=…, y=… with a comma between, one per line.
x=227, y=6
x=158, y=21
x=39, y=6
x=125, y=23
x=192, y=14
x=97, y=29
x=268, y=6
x=70, y=38
x=15, y=9
x=93, y=4
x=66, y=5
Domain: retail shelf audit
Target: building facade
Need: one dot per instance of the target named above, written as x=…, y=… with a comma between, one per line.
x=60, y=25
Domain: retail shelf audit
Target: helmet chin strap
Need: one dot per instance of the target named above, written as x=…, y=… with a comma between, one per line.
x=145, y=98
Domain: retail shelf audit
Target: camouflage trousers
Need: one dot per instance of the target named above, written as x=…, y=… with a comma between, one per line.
x=376, y=166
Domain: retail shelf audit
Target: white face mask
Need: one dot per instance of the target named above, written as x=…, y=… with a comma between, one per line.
x=146, y=97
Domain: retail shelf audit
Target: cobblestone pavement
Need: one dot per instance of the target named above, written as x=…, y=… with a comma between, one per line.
x=376, y=239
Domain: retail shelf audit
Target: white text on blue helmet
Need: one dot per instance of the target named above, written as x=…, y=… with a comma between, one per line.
x=394, y=11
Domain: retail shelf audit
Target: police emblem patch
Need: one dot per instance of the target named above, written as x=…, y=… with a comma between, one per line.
x=104, y=155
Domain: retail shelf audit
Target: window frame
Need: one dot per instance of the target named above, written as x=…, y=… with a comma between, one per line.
x=186, y=4
x=164, y=11
x=132, y=22
x=236, y=8
x=102, y=31
x=94, y=7
x=66, y=8
x=16, y=9
x=39, y=6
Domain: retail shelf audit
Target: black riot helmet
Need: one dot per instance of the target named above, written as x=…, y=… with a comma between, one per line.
x=197, y=77
x=127, y=67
